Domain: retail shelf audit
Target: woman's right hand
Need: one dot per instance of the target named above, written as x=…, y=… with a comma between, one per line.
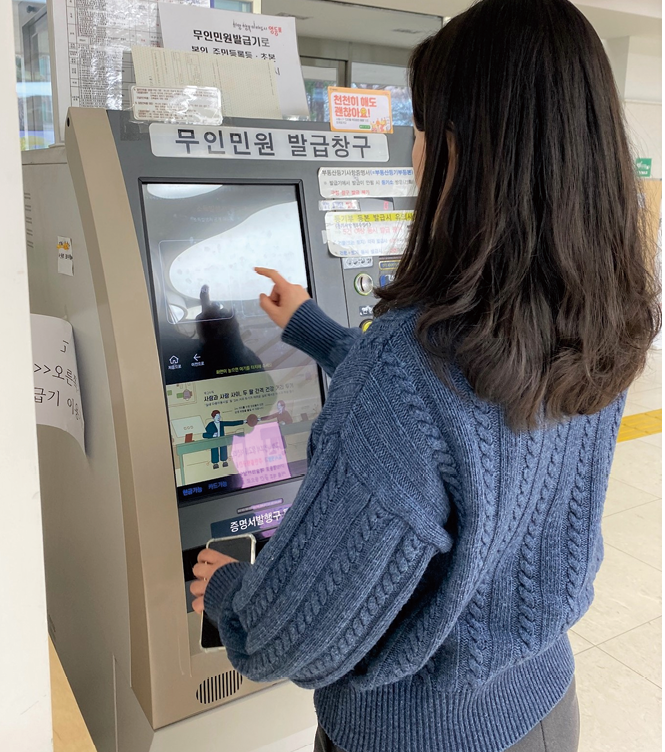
x=285, y=298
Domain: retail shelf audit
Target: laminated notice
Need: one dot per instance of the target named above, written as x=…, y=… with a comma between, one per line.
x=363, y=182
x=55, y=374
x=201, y=105
x=377, y=234
x=248, y=87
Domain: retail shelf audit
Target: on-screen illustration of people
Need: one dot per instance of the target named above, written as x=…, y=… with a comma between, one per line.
x=281, y=416
x=215, y=430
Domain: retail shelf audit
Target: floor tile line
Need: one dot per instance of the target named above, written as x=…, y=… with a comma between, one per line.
x=615, y=637
x=635, y=671
x=634, y=488
x=630, y=509
x=628, y=631
x=620, y=550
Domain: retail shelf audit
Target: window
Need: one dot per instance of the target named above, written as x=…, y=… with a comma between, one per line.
x=237, y=5
x=319, y=74
x=33, y=75
x=392, y=78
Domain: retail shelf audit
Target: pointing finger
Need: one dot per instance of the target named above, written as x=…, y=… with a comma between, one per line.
x=271, y=274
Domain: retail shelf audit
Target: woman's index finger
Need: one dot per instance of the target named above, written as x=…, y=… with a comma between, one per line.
x=271, y=274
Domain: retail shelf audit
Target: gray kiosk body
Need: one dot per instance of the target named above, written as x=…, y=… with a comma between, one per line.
x=197, y=415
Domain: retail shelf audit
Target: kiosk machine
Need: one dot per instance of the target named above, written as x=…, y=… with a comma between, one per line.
x=197, y=416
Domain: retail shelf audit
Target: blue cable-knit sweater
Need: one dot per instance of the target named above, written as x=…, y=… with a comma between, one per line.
x=427, y=574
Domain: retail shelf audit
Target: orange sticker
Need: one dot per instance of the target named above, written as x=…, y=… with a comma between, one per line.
x=360, y=110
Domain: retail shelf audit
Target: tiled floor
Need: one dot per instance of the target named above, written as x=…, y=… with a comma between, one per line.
x=618, y=643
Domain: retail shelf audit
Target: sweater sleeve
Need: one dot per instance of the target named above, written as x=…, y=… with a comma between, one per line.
x=317, y=335
x=329, y=584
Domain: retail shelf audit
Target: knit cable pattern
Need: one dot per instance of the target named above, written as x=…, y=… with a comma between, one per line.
x=389, y=583
x=577, y=525
x=441, y=453
x=530, y=463
x=475, y=618
x=527, y=573
x=280, y=655
x=288, y=561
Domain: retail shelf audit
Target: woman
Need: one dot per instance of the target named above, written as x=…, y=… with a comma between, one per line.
x=447, y=534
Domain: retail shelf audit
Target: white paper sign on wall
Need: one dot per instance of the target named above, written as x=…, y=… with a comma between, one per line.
x=247, y=35
x=56, y=379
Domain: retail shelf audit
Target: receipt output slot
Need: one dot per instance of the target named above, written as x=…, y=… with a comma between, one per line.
x=197, y=415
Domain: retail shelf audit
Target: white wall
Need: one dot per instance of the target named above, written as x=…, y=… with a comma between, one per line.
x=25, y=697
x=645, y=129
x=637, y=63
x=644, y=75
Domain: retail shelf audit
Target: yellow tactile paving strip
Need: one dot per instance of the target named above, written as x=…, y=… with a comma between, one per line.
x=640, y=425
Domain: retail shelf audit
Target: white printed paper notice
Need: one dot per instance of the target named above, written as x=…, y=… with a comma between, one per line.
x=65, y=256
x=248, y=87
x=242, y=35
x=353, y=234
x=55, y=374
x=361, y=182
x=189, y=104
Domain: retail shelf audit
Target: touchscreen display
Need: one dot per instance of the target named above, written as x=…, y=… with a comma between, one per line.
x=240, y=402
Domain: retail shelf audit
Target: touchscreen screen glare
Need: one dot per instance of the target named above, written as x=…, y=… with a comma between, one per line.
x=240, y=402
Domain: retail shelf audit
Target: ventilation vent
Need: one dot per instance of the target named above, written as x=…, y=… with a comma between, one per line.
x=28, y=220
x=218, y=687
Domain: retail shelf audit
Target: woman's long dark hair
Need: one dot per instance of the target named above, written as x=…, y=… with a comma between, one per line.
x=532, y=271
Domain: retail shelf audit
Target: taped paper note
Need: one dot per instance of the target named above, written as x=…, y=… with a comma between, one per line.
x=248, y=87
x=55, y=373
x=351, y=234
x=191, y=104
x=362, y=182
x=65, y=256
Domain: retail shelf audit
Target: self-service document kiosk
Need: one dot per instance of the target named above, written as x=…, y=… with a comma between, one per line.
x=197, y=416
